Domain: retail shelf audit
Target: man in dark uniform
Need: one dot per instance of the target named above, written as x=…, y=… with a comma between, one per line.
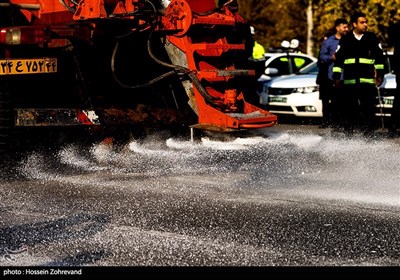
x=360, y=59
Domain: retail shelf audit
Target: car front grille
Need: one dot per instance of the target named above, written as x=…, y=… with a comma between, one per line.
x=280, y=91
x=280, y=108
x=388, y=92
x=383, y=111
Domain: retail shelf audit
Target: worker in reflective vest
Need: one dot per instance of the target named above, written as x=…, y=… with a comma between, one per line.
x=258, y=51
x=360, y=59
x=258, y=60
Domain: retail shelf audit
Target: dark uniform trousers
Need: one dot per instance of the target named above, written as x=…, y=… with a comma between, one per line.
x=328, y=97
x=357, y=104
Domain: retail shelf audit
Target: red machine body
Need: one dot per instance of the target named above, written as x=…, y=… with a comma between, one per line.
x=131, y=62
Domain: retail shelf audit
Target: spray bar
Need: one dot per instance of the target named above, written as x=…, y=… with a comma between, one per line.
x=21, y=6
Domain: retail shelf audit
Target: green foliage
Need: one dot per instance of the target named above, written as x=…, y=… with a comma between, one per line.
x=278, y=20
x=275, y=20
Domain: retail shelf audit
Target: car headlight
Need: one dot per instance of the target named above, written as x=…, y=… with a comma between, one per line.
x=305, y=89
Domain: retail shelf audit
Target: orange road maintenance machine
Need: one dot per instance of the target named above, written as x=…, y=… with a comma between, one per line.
x=118, y=65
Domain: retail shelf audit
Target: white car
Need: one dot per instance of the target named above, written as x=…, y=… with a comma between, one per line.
x=386, y=96
x=295, y=94
x=387, y=89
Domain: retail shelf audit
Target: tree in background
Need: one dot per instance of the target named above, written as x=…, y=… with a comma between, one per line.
x=278, y=20
x=275, y=20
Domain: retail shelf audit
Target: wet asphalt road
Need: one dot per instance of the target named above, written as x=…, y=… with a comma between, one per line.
x=294, y=196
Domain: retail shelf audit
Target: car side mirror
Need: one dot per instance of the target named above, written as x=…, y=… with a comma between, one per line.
x=271, y=71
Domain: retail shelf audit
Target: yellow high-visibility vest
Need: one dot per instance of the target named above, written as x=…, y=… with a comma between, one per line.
x=258, y=51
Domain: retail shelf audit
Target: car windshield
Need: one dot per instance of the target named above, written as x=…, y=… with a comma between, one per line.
x=267, y=56
x=311, y=68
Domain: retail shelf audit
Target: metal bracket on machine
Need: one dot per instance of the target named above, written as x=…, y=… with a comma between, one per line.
x=220, y=110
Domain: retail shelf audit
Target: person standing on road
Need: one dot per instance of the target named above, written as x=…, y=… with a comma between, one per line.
x=258, y=58
x=326, y=59
x=258, y=49
x=360, y=59
x=257, y=54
